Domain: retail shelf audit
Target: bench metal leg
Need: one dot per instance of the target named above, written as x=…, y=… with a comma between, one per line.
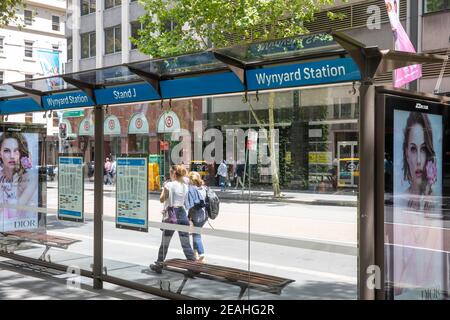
x=42, y=257
x=182, y=284
x=241, y=293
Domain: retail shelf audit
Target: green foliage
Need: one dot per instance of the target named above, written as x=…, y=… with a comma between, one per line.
x=8, y=11
x=201, y=24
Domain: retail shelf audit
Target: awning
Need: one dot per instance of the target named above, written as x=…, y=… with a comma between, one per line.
x=290, y=62
x=138, y=124
x=168, y=122
x=111, y=125
x=86, y=127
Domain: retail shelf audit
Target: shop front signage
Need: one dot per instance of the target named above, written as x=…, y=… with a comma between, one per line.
x=111, y=125
x=132, y=193
x=324, y=158
x=70, y=188
x=86, y=127
x=319, y=72
x=73, y=114
x=138, y=124
x=168, y=122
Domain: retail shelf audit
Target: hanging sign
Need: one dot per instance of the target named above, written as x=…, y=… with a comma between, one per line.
x=132, y=192
x=70, y=188
x=138, y=124
x=111, y=125
x=168, y=122
x=86, y=127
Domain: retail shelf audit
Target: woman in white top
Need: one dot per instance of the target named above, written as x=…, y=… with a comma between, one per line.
x=173, y=195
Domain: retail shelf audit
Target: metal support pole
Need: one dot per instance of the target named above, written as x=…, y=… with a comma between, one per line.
x=98, y=198
x=366, y=209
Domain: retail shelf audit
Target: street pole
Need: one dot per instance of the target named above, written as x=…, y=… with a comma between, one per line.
x=366, y=208
x=98, y=198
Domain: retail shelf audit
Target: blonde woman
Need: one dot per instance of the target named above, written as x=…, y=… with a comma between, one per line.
x=197, y=212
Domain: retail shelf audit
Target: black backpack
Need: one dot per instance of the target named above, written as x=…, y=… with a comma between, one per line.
x=212, y=203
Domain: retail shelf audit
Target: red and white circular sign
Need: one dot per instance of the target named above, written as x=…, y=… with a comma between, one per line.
x=111, y=124
x=169, y=122
x=139, y=123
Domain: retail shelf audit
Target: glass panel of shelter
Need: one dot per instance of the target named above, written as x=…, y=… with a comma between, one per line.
x=31, y=221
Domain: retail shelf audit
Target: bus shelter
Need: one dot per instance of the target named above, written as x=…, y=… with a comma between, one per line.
x=132, y=112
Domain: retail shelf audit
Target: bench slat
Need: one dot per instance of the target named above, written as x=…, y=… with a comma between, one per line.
x=231, y=274
x=42, y=238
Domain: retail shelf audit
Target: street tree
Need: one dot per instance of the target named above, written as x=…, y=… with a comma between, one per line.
x=173, y=27
x=8, y=11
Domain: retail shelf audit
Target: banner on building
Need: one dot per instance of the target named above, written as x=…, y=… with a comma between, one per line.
x=407, y=74
x=50, y=65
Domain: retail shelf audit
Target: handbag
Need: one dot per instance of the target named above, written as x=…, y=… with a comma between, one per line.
x=169, y=215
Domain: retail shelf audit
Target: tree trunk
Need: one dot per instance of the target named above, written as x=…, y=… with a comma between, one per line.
x=271, y=143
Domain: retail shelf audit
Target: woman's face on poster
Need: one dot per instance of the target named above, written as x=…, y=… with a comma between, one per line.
x=9, y=153
x=416, y=154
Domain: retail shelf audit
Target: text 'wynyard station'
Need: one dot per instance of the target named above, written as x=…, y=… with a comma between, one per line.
x=319, y=72
x=305, y=73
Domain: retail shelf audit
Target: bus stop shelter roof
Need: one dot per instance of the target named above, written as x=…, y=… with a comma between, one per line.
x=236, y=60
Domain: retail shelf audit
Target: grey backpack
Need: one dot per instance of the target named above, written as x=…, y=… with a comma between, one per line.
x=212, y=203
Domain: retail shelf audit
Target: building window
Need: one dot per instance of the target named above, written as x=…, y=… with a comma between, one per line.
x=113, y=39
x=1, y=77
x=1, y=45
x=29, y=49
x=112, y=3
x=69, y=49
x=28, y=78
x=55, y=23
x=87, y=45
x=436, y=5
x=28, y=17
x=87, y=6
x=135, y=27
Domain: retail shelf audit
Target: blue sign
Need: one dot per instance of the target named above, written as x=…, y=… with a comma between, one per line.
x=20, y=105
x=122, y=94
x=67, y=100
x=201, y=85
x=70, y=188
x=320, y=72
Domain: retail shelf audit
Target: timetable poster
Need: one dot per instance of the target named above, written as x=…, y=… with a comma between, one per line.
x=132, y=193
x=70, y=188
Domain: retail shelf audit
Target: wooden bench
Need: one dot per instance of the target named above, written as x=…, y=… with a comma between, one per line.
x=244, y=279
x=47, y=240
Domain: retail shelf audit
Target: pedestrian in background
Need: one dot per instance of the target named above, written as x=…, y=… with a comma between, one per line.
x=222, y=172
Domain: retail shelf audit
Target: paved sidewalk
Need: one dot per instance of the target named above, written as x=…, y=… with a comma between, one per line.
x=19, y=281
x=347, y=199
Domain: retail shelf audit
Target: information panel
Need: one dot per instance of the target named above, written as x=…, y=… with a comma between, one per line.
x=415, y=168
x=70, y=188
x=132, y=192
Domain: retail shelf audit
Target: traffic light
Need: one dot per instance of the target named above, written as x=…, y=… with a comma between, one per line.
x=63, y=130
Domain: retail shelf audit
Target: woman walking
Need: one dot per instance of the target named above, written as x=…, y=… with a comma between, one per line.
x=173, y=196
x=197, y=213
